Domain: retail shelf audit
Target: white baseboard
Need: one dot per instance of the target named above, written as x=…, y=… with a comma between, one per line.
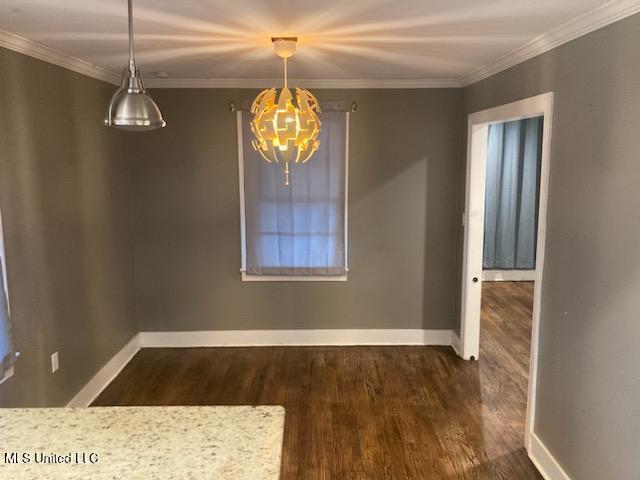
x=508, y=275
x=106, y=374
x=251, y=338
x=548, y=467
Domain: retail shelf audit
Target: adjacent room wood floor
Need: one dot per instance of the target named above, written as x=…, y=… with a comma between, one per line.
x=368, y=413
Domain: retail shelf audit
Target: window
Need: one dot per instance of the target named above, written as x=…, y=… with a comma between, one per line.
x=7, y=353
x=514, y=157
x=295, y=232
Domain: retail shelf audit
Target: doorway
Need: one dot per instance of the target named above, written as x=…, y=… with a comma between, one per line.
x=479, y=125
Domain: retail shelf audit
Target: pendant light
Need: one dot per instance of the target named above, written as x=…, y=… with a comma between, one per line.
x=285, y=122
x=131, y=108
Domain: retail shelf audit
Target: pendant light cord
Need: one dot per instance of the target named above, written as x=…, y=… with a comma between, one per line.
x=285, y=72
x=132, y=61
x=286, y=85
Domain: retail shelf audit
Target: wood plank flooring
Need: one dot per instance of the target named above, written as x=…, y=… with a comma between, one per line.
x=368, y=413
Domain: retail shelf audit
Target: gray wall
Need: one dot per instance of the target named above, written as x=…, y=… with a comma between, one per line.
x=64, y=197
x=402, y=219
x=85, y=208
x=588, y=410
x=72, y=274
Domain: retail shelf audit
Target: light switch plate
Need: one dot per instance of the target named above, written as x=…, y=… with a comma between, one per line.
x=55, y=364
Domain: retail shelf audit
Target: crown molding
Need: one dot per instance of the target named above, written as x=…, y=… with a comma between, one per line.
x=597, y=18
x=307, y=82
x=20, y=44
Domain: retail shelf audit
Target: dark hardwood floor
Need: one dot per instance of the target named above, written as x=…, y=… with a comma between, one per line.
x=368, y=413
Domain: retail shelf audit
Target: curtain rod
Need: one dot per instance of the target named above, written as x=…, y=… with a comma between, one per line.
x=330, y=106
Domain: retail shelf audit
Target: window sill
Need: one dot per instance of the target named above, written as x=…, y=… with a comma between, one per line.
x=7, y=375
x=293, y=278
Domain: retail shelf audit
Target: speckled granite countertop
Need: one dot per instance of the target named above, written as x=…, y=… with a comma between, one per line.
x=218, y=442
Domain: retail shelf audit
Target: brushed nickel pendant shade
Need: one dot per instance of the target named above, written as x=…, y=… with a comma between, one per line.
x=131, y=107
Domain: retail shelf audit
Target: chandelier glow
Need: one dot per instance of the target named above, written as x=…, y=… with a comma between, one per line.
x=285, y=121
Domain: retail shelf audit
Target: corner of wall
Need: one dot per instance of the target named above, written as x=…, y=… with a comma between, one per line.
x=544, y=461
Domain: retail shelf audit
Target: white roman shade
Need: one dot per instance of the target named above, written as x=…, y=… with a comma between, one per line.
x=300, y=229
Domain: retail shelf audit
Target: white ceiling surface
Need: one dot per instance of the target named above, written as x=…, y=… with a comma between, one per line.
x=338, y=39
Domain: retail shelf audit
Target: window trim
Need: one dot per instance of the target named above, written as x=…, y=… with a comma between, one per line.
x=293, y=278
x=3, y=266
x=3, y=270
x=7, y=374
x=243, y=233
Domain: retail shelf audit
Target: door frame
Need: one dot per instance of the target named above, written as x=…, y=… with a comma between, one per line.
x=473, y=221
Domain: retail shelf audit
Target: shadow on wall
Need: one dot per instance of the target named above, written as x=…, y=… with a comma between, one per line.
x=592, y=270
x=401, y=219
x=23, y=230
x=593, y=194
x=64, y=197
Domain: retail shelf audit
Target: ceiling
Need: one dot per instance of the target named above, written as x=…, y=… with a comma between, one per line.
x=338, y=39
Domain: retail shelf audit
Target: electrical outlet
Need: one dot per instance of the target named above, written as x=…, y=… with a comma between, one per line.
x=55, y=363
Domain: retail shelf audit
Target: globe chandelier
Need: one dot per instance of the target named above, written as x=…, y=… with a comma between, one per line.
x=285, y=122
